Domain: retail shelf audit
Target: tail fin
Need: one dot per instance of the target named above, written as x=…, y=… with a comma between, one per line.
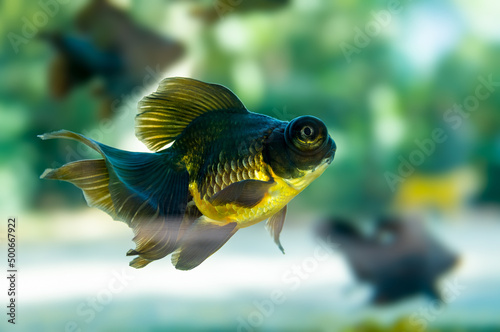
x=148, y=191
x=89, y=175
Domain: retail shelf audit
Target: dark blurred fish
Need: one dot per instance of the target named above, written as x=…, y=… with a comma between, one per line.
x=227, y=169
x=110, y=46
x=78, y=61
x=220, y=8
x=111, y=28
x=399, y=259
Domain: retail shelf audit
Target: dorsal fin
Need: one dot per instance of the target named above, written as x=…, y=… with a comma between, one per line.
x=165, y=113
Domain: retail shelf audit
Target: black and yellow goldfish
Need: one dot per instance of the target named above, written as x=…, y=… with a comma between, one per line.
x=227, y=169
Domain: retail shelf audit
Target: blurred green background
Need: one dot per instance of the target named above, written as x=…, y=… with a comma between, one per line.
x=383, y=76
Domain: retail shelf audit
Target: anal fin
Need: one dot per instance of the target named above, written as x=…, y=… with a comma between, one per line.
x=203, y=239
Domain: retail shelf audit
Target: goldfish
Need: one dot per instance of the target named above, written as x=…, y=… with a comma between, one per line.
x=399, y=257
x=109, y=45
x=215, y=167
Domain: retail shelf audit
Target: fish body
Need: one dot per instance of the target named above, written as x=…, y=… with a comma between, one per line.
x=235, y=160
x=226, y=169
x=214, y=163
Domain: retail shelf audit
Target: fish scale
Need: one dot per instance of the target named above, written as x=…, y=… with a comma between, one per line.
x=238, y=159
x=226, y=172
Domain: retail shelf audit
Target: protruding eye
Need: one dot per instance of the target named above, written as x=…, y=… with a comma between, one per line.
x=306, y=134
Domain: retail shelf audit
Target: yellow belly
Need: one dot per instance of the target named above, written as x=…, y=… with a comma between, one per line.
x=274, y=200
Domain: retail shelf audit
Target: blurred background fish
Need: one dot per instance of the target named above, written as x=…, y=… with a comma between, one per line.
x=399, y=258
x=410, y=89
x=111, y=47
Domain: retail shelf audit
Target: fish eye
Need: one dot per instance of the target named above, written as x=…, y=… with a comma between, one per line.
x=306, y=134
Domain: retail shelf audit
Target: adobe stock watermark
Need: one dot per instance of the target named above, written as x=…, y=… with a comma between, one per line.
x=455, y=117
x=32, y=24
x=292, y=279
x=87, y=310
x=450, y=292
x=362, y=37
x=283, y=114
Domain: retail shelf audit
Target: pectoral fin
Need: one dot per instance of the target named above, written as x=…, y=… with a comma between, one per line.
x=203, y=239
x=247, y=193
x=275, y=225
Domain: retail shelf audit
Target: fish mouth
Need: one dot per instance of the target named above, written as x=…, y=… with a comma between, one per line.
x=328, y=158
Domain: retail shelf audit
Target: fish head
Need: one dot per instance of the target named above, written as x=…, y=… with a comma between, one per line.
x=300, y=151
